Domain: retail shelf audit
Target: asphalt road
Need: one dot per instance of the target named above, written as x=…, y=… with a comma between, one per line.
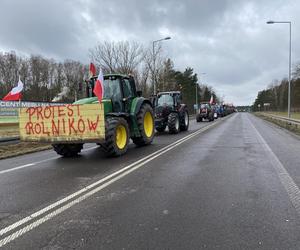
x=230, y=184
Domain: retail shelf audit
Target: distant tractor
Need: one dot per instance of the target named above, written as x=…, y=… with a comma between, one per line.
x=125, y=115
x=206, y=111
x=170, y=112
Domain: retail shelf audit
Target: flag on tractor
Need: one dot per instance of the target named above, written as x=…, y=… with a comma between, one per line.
x=92, y=71
x=99, y=89
x=16, y=93
x=211, y=99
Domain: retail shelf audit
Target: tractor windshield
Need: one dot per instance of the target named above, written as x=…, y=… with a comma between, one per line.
x=165, y=100
x=112, y=89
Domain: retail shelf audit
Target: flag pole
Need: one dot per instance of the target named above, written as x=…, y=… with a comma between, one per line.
x=19, y=102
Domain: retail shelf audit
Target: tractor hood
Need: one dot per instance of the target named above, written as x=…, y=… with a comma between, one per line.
x=93, y=100
x=163, y=111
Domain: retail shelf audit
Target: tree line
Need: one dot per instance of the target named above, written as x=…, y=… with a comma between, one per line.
x=45, y=78
x=275, y=97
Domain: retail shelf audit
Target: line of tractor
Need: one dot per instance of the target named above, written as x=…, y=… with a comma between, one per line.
x=126, y=115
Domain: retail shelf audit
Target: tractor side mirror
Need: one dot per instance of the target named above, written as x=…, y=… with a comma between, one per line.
x=139, y=93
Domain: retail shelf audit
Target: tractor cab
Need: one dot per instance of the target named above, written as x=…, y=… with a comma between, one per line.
x=119, y=89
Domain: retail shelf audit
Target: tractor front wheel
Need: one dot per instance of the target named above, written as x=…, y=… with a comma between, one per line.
x=185, y=121
x=145, y=123
x=173, y=123
x=161, y=129
x=116, y=136
x=198, y=118
x=67, y=150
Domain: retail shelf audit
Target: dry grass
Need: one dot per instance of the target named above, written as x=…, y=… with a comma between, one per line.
x=8, y=130
x=21, y=148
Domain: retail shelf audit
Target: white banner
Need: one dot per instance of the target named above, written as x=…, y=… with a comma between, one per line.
x=10, y=108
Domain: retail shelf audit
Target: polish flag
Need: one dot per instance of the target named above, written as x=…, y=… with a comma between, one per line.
x=99, y=89
x=15, y=94
x=92, y=71
x=211, y=99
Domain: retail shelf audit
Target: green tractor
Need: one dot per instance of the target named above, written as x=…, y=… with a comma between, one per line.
x=128, y=115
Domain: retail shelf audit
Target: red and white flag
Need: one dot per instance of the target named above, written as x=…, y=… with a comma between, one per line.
x=98, y=88
x=92, y=70
x=15, y=94
x=211, y=99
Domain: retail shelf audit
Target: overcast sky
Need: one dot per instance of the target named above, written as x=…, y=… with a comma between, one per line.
x=229, y=40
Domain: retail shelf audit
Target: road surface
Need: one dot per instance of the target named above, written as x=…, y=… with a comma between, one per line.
x=230, y=184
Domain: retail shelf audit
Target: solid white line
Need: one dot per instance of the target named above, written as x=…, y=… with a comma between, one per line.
x=16, y=168
x=284, y=177
x=38, y=162
x=40, y=212
x=91, y=188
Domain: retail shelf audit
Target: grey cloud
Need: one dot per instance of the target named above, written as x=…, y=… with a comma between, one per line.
x=227, y=39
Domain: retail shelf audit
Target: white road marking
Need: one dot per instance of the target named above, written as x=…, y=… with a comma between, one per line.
x=284, y=177
x=90, y=190
x=38, y=162
x=16, y=168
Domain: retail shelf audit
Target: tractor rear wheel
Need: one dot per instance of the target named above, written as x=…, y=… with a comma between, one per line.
x=173, y=123
x=116, y=136
x=185, y=121
x=67, y=150
x=145, y=123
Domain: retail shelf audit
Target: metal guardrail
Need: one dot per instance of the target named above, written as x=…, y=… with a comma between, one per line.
x=282, y=118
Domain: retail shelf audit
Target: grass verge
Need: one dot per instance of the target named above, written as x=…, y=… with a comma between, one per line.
x=8, y=130
x=21, y=148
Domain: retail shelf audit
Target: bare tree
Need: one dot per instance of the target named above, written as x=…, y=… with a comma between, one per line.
x=121, y=57
x=74, y=73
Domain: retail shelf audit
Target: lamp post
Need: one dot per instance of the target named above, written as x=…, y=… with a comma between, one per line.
x=197, y=92
x=290, y=62
x=154, y=57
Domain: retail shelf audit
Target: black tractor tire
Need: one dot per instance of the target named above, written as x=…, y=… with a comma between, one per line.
x=161, y=129
x=110, y=146
x=185, y=121
x=145, y=138
x=198, y=118
x=211, y=118
x=67, y=150
x=173, y=123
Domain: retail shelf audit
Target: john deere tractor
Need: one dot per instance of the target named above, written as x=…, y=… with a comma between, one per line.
x=170, y=112
x=128, y=115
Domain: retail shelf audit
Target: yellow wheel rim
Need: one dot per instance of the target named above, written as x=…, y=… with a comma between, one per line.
x=121, y=136
x=148, y=124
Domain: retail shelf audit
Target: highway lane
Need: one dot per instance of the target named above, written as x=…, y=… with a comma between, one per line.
x=25, y=190
x=220, y=189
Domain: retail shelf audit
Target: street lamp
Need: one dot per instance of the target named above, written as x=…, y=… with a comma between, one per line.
x=290, y=62
x=197, y=92
x=153, y=77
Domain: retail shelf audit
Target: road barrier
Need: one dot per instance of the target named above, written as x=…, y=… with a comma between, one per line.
x=285, y=122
